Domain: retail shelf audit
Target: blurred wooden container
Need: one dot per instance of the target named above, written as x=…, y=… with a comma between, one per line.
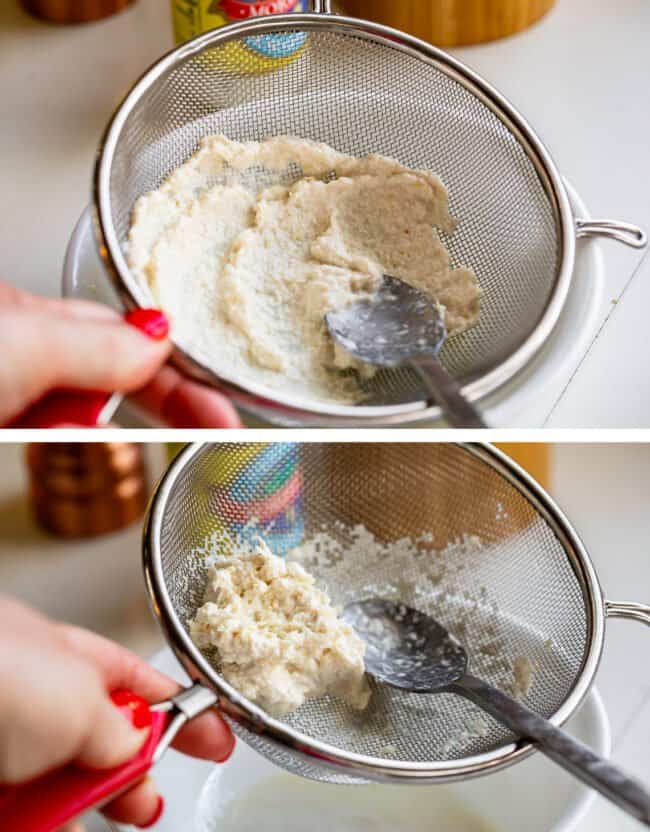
x=74, y=11
x=86, y=489
x=433, y=488
x=452, y=22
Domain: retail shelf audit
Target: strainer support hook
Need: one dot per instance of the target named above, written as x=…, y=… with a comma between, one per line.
x=623, y=232
x=631, y=611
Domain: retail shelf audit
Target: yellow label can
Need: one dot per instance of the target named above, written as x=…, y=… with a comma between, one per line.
x=253, y=54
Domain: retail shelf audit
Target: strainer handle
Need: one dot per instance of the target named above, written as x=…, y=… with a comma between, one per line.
x=81, y=408
x=51, y=801
x=447, y=393
x=623, y=232
x=563, y=749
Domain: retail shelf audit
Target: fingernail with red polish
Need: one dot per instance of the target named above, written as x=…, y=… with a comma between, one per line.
x=230, y=752
x=157, y=815
x=135, y=708
x=152, y=322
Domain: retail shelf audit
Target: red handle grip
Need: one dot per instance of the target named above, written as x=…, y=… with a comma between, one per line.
x=64, y=407
x=46, y=804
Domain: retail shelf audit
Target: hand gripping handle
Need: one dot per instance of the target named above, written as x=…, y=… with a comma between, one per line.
x=51, y=801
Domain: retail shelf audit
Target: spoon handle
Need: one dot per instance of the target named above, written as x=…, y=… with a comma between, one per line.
x=560, y=747
x=446, y=391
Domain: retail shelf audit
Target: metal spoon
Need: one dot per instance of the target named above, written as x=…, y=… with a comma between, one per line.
x=410, y=650
x=401, y=326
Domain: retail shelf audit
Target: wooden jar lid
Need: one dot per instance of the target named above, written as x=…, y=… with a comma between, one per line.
x=452, y=22
x=74, y=11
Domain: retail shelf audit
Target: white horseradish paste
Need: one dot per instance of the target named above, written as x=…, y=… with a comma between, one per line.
x=246, y=268
x=279, y=640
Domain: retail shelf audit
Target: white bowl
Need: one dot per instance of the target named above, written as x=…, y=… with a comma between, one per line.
x=524, y=402
x=249, y=793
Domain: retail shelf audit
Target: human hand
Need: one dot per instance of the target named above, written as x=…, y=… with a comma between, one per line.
x=55, y=708
x=48, y=345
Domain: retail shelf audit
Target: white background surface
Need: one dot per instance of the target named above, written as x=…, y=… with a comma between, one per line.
x=580, y=77
x=604, y=489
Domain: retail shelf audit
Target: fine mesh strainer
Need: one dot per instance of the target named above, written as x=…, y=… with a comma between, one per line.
x=363, y=88
x=497, y=564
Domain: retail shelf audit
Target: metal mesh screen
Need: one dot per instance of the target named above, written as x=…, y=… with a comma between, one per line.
x=364, y=94
x=488, y=567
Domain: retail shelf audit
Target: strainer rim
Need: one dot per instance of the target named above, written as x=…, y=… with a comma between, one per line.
x=321, y=753
x=258, y=398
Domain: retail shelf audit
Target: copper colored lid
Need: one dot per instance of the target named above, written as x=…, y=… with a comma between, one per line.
x=81, y=490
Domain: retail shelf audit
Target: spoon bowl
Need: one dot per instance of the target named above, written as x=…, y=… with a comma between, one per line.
x=393, y=326
x=404, y=648
x=400, y=326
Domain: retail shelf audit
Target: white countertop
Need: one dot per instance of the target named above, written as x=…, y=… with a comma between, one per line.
x=602, y=488
x=580, y=77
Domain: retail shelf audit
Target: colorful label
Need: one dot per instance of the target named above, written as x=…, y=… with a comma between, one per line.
x=243, y=9
x=258, y=493
x=192, y=17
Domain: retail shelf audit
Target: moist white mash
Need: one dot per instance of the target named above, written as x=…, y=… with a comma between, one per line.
x=248, y=245
x=278, y=638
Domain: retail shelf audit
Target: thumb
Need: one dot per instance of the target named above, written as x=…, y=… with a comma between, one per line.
x=112, y=739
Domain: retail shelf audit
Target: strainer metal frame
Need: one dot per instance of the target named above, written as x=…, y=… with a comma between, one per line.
x=356, y=765
x=287, y=409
